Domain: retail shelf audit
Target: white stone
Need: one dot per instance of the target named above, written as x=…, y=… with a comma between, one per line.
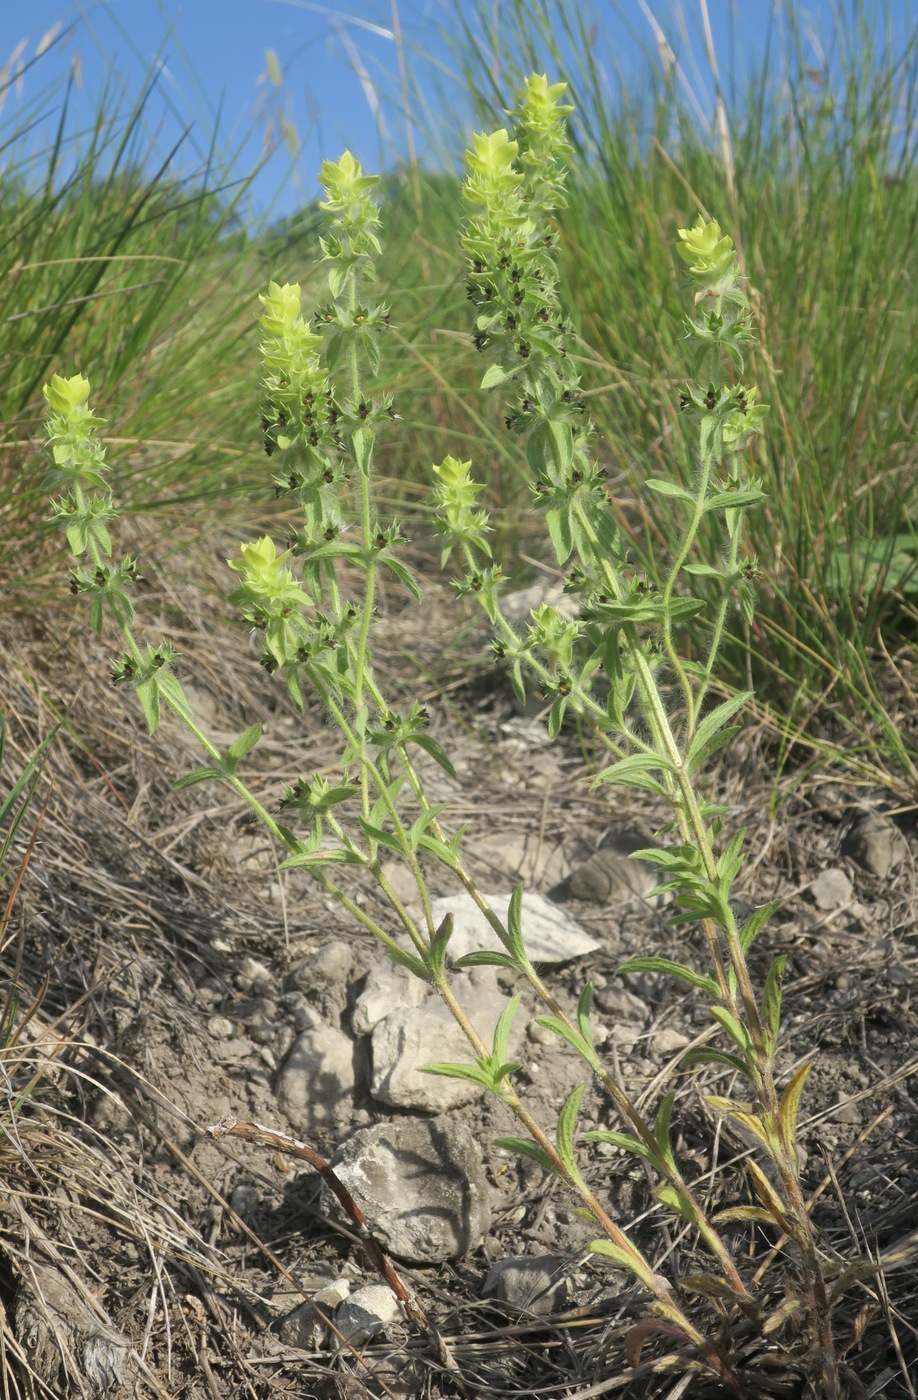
x=388, y=986
x=317, y=1078
x=368, y=1311
x=549, y=934
x=832, y=889
x=421, y=1185
x=411, y=1036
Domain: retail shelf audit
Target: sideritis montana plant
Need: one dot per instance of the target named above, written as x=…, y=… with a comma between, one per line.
x=616, y=666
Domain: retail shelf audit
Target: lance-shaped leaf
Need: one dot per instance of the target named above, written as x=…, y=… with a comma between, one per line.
x=771, y=1002
x=623, y=1140
x=672, y=969
x=475, y=1074
x=410, y=960
x=669, y=488
x=487, y=959
x=241, y=746
x=573, y=1037
x=515, y=926
x=526, y=1148
x=438, y=946
x=501, y=1038
x=770, y=1199
x=661, y=1130
x=734, y=1028
x=745, y=1117
x=756, y=922
x=634, y=771
x=198, y=775
x=584, y=1003
x=567, y=1122
x=789, y=1105
x=437, y=753
x=734, y=500
x=336, y=855
x=389, y=839
x=711, y=728
x=703, y=1055
x=676, y=1201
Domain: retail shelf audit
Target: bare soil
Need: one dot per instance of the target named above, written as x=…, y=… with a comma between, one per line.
x=140, y=1258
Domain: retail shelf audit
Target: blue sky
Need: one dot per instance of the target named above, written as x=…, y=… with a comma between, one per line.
x=339, y=69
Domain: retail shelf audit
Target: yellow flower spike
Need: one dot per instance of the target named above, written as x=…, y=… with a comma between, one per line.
x=67, y=396
x=493, y=155
x=282, y=308
x=710, y=255
x=452, y=472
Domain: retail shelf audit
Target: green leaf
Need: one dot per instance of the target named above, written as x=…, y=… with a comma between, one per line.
x=735, y=1030
x=771, y=1001
x=170, y=688
x=438, y=946
x=495, y=375
x=733, y=500
x=634, y=771
x=556, y=715
x=756, y=922
x=409, y=960
x=502, y=1030
x=567, y=1122
x=148, y=694
x=614, y=1251
x=702, y=1055
x=515, y=925
x=403, y=574
x=362, y=440
x=437, y=753
x=475, y=1074
x=385, y=838
x=241, y=746
x=526, y=1148
x=623, y=1140
x=486, y=959
x=573, y=1037
x=672, y=969
x=675, y=1201
x=305, y=860
x=584, y=1003
x=669, y=488
x=199, y=775
x=661, y=1129
x=711, y=724
x=559, y=531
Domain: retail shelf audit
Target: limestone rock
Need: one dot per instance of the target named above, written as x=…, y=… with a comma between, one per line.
x=876, y=843
x=411, y=1036
x=536, y=1285
x=610, y=874
x=317, y=1077
x=832, y=889
x=549, y=934
x=387, y=986
x=421, y=1185
x=367, y=1312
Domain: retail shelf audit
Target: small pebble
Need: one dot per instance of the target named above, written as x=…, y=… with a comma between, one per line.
x=253, y=976
x=221, y=1028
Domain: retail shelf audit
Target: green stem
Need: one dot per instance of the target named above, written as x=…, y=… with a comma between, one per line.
x=691, y=704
